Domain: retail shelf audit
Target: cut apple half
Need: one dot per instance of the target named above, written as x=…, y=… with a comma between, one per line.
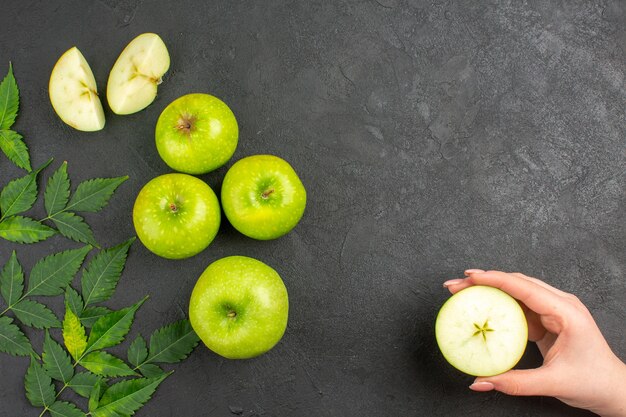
x=134, y=78
x=74, y=93
x=482, y=331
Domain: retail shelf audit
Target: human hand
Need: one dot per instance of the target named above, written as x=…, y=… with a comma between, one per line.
x=579, y=368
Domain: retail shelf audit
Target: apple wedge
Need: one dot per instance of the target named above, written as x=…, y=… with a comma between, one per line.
x=134, y=78
x=74, y=93
x=481, y=331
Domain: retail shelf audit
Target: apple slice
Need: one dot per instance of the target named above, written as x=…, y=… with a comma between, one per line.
x=133, y=80
x=74, y=93
x=481, y=331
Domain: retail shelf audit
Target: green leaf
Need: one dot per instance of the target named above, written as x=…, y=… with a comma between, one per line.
x=94, y=396
x=24, y=230
x=138, y=351
x=56, y=361
x=36, y=315
x=64, y=409
x=53, y=273
x=15, y=149
x=100, y=277
x=105, y=364
x=74, y=300
x=111, y=329
x=126, y=397
x=92, y=314
x=83, y=382
x=12, y=280
x=39, y=388
x=172, y=343
x=74, y=335
x=150, y=370
x=57, y=191
x=72, y=226
x=12, y=340
x=92, y=195
x=9, y=100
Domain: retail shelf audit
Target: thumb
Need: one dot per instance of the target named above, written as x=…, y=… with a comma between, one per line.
x=518, y=382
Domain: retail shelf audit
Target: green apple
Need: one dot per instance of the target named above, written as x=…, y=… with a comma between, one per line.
x=74, y=93
x=239, y=307
x=196, y=133
x=134, y=78
x=263, y=197
x=176, y=215
x=482, y=331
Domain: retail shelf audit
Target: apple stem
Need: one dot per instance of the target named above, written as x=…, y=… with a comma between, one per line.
x=232, y=314
x=267, y=193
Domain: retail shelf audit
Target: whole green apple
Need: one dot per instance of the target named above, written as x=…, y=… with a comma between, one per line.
x=196, y=133
x=176, y=215
x=239, y=307
x=263, y=197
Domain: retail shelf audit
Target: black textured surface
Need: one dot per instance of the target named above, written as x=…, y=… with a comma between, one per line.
x=431, y=137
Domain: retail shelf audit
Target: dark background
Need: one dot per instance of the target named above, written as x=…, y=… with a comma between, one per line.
x=431, y=137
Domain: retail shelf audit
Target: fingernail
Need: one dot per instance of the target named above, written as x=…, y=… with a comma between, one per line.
x=452, y=282
x=473, y=271
x=482, y=386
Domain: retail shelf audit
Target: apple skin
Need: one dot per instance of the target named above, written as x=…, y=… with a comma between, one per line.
x=263, y=197
x=466, y=347
x=196, y=134
x=176, y=215
x=239, y=307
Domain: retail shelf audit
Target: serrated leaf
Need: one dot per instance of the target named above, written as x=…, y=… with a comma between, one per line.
x=83, y=382
x=150, y=370
x=12, y=280
x=24, y=230
x=57, y=192
x=13, y=146
x=74, y=335
x=90, y=315
x=65, y=409
x=9, y=100
x=101, y=276
x=53, y=273
x=104, y=364
x=74, y=300
x=36, y=315
x=172, y=343
x=94, y=395
x=39, y=388
x=56, y=361
x=126, y=397
x=110, y=330
x=138, y=351
x=72, y=226
x=12, y=340
x=92, y=195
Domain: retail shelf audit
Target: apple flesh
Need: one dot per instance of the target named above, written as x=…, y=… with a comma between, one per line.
x=134, y=78
x=482, y=331
x=196, y=134
x=176, y=215
x=239, y=307
x=74, y=93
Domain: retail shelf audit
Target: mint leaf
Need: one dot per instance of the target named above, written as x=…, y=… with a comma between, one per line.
x=74, y=335
x=12, y=340
x=138, y=351
x=9, y=100
x=111, y=329
x=91, y=314
x=83, y=382
x=150, y=370
x=126, y=397
x=53, y=273
x=172, y=343
x=72, y=226
x=56, y=361
x=34, y=314
x=101, y=276
x=57, y=191
x=92, y=195
x=73, y=300
x=24, y=230
x=12, y=280
x=15, y=149
x=105, y=364
x=39, y=388
x=64, y=409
